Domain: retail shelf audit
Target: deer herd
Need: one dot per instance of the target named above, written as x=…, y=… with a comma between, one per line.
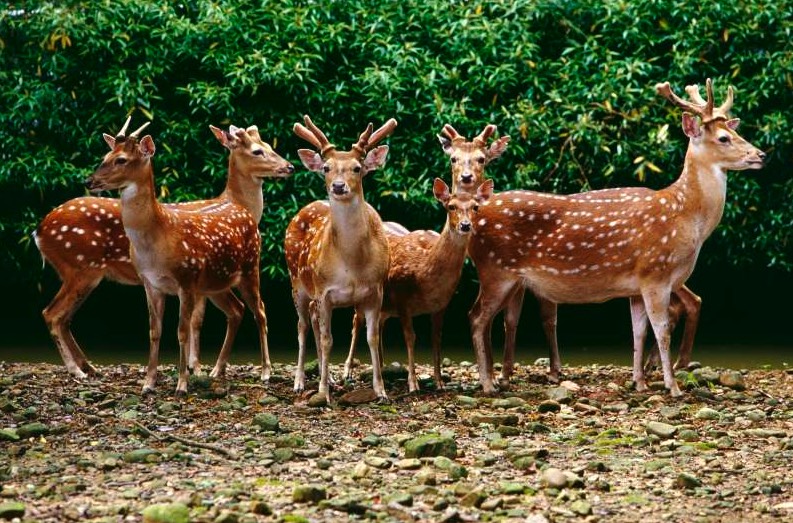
x=637, y=243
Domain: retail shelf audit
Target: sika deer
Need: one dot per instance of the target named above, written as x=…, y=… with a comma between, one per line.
x=336, y=250
x=591, y=247
x=187, y=253
x=84, y=241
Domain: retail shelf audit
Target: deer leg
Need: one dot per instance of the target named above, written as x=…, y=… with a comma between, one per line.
x=437, y=327
x=372, y=314
x=656, y=302
x=196, y=320
x=323, y=314
x=233, y=308
x=187, y=300
x=356, y=324
x=410, y=342
x=491, y=298
x=58, y=317
x=511, y=318
x=692, y=304
x=676, y=308
x=639, y=322
x=156, y=305
x=549, y=314
x=303, y=320
x=249, y=288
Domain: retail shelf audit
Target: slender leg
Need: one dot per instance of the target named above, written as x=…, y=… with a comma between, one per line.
x=693, y=304
x=196, y=320
x=490, y=300
x=356, y=324
x=511, y=318
x=410, y=342
x=249, y=288
x=58, y=316
x=437, y=327
x=156, y=304
x=187, y=299
x=303, y=320
x=323, y=313
x=656, y=302
x=372, y=313
x=548, y=313
x=233, y=308
x=639, y=322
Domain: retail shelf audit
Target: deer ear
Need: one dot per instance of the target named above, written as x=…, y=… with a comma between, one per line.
x=441, y=190
x=497, y=148
x=691, y=126
x=146, y=146
x=485, y=191
x=446, y=144
x=111, y=141
x=221, y=135
x=311, y=160
x=733, y=124
x=376, y=158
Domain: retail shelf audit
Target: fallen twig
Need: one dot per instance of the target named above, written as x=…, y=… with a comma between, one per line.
x=189, y=442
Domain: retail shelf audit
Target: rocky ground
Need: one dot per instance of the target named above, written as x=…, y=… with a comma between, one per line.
x=591, y=449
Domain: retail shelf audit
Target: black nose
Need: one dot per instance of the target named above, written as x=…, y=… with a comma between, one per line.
x=88, y=182
x=467, y=178
x=338, y=187
x=761, y=154
x=290, y=169
x=465, y=226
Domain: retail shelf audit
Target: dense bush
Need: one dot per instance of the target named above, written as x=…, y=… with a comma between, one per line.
x=570, y=81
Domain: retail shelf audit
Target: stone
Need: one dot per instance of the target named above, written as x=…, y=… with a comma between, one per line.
x=317, y=400
x=227, y=516
x=144, y=455
x=378, y=462
x=466, y=401
x=261, y=508
x=430, y=445
x=559, y=394
x=32, y=430
x=426, y=476
x=473, y=499
x=687, y=481
x=408, y=464
x=553, y=478
x=9, y=435
x=732, y=379
x=361, y=470
x=662, y=430
x=309, y=494
x=267, y=421
x=509, y=420
x=166, y=513
x=492, y=504
x=549, y=406
x=11, y=510
x=688, y=435
x=707, y=413
x=401, y=498
x=581, y=507
x=670, y=413
x=359, y=397
x=766, y=433
x=512, y=402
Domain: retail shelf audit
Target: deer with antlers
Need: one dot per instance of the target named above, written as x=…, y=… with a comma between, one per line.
x=187, y=253
x=84, y=241
x=629, y=242
x=336, y=250
x=426, y=266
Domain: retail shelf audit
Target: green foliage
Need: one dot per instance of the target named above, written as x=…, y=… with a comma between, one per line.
x=570, y=81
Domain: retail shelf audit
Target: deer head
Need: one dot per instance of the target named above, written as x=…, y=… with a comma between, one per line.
x=122, y=164
x=343, y=170
x=468, y=159
x=711, y=131
x=461, y=207
x=251, y=154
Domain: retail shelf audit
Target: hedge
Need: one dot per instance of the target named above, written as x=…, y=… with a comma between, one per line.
x=570, y=81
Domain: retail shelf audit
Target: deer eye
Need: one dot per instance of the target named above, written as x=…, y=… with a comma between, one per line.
x=724, y=138
x=452, y=207
x=120, y=160
x=454, y=159
x=326, y=168
x=259, y=152
x=476, y=208
x=480, y=159
x=356, y=169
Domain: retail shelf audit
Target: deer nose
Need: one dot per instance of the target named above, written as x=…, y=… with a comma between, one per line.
x=88, y=182
x=290, y=168
x=465, y=226
x=338, y=187
x=761, y=154
x=467, y=178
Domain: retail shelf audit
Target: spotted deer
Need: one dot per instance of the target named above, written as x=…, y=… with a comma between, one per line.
x=599, y=245
x=83, y=239
x=424, y=272
x=336, y=250
x=177, y=251
x=426, y=283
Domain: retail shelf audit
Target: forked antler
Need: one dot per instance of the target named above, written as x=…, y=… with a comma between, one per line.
x=312, y=134
x=486, y=133
x=703, y=108
x=121, y=135
x=452, y=134
x=375, y=137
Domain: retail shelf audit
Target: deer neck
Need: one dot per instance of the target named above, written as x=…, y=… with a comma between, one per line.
x=141, y=213
x=245, y=190
x=702, y=190
x=449, y=250
x=350, y=226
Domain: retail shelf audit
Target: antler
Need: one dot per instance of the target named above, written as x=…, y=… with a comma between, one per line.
x=451, y=133
x=138, y=130
x=121, y=135
x=698, y=106
x=369, y=139
x=314, y=136
x=486, y=133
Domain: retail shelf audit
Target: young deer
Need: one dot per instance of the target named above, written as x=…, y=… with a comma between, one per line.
x=183, y=252
x=424, y=273
x=591, y=247
x=468, y=161
x=84, y=241
x=336, y=250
